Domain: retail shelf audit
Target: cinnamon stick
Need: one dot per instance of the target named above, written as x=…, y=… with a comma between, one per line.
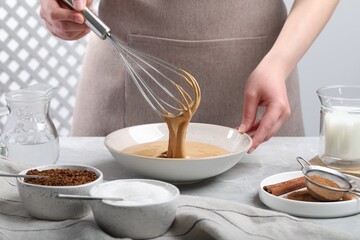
x=286, y=186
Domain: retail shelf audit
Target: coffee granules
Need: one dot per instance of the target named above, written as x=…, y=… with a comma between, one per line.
x=324, y=181
x=61, y=177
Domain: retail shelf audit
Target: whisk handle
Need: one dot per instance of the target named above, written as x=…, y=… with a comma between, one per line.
x=92, y=21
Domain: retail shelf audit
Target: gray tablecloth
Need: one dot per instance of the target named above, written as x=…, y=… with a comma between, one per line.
x=197, y=218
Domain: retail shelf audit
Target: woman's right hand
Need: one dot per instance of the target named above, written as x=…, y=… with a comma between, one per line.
x=63, y=22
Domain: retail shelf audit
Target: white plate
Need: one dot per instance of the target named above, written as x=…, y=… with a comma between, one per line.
x=306, y=209
x=179, y=170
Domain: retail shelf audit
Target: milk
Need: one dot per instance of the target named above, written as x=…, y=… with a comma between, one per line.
x=342, y=133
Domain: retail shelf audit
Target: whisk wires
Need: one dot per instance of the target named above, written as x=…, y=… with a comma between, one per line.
x=145, y=69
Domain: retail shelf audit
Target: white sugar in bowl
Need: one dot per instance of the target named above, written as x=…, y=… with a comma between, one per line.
x=147, y=211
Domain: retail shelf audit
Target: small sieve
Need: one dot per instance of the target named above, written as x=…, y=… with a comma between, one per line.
x=333, y=185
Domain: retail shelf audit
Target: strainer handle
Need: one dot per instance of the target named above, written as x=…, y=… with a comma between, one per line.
x=355, y=192
x=304, y=164
x=92, y=21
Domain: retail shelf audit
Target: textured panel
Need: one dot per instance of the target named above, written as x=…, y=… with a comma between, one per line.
x=30, y=54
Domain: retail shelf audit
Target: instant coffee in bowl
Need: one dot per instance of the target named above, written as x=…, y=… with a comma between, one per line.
x=39, y=198
x=61, y=177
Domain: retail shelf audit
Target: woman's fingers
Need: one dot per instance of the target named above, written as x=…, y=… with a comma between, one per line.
x=79, y=5
x=63, y=22
x=264, y=88
x=269, y=124
x=52, y=11
x=251, y=103
x=69, y=34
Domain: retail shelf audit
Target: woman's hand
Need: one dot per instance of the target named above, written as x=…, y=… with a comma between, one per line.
x=266, y=88
x=63, y=22
x=266, y=84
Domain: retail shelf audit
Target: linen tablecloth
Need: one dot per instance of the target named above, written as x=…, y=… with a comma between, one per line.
x=197, y=218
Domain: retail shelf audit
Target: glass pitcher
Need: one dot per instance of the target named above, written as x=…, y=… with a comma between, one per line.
x=340, y=127
x=29, y=135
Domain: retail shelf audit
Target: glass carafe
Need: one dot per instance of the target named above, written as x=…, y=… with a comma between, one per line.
x=340, y=127
x=29, y=135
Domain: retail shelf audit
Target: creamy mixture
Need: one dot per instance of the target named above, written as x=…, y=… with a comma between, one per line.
x=193, y=149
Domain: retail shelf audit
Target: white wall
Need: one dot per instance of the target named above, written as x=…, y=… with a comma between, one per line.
x=333, y=59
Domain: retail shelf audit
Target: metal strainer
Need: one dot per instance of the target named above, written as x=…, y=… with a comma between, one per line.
x=326, y=184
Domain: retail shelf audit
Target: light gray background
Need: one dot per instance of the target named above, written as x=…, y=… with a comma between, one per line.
x=332, y=60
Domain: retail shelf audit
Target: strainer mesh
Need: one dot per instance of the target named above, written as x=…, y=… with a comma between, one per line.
x=343, y=184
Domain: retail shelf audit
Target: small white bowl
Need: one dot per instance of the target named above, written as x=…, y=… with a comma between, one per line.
x=40, y=201
x=136, y=217
x=179, y=170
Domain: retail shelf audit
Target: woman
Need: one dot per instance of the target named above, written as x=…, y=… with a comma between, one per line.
x=242, y=52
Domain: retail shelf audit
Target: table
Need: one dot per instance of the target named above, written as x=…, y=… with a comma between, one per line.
x=238, y=184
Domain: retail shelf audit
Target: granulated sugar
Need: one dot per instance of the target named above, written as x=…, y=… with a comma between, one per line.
x=134, y=193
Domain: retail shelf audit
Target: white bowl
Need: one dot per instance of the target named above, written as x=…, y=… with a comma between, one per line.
x=136, y=217
x=40, y=201
x=179, y=170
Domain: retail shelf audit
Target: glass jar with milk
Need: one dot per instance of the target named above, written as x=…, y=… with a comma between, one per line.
x=340, y=127
x=29, y=136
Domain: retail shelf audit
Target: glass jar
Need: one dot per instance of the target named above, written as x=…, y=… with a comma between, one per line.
x=29, y=135
x=340, y=127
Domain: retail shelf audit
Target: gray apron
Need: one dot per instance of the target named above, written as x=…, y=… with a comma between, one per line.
x=218, y=42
